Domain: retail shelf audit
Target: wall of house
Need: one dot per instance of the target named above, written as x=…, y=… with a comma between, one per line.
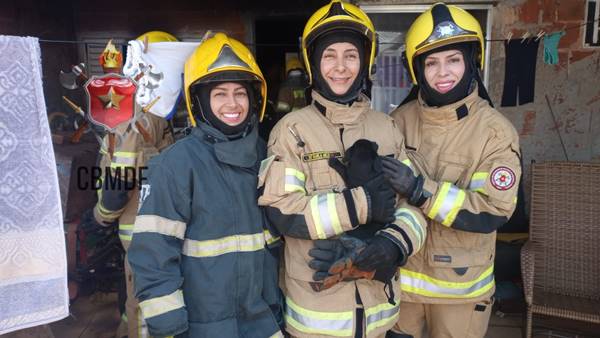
x=572, y=86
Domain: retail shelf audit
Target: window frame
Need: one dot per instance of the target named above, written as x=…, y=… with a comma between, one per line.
x=595, y=25
x=415, y=8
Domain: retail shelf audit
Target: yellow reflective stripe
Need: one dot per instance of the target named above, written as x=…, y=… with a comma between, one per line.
x=123, y=159
x=515, y=200
x=337, y=324
x=442, y=193
x=408, y=163
x=125, y=231
x=407, y=217
x=157, y=306
x=277, y=334
x=381, y=315
x=115, y=165
x=458, y=202
x=269, y=238
x=105, y=213
x=217, y=247
x=424, y=285
x=160, y=225
x=325, y=216
x=129, y=154
x=447, y=205
x=143, y=328
x=294, y=180
x=478, y=181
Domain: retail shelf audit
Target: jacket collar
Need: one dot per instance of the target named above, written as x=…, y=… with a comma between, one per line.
x=449, y=113
x=240, y=152
x=341, y=114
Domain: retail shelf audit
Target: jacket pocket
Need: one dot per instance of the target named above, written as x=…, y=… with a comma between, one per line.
x=453, y=168
x=297, y=258
x=319, y=175
x=458, y=257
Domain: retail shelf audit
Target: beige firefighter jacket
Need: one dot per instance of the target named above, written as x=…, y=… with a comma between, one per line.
x=302, y=191
x=131, y=151
x=469, y=155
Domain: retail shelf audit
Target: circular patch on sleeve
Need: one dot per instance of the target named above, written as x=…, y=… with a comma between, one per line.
x=502, y=178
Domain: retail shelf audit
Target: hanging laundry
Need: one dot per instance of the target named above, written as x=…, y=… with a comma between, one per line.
x=551, y=47
x=160, y=68
x=519, y=72
x=33, y=262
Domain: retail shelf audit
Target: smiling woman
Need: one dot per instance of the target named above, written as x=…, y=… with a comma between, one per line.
x=229, y=102
x=340, y=65
x=444, y=70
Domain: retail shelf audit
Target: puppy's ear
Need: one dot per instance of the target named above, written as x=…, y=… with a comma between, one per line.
x=374, y=146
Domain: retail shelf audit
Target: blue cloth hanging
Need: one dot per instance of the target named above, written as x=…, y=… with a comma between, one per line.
x=551, y=47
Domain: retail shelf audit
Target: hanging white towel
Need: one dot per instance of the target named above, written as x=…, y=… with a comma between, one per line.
x=33, y=264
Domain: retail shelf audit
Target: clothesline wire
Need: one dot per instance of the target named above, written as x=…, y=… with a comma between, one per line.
x=564, y=29
x=289, y=44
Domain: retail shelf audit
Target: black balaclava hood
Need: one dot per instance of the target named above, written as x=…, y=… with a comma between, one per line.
x=201, y=96
x=319, y=83
x=462, y=89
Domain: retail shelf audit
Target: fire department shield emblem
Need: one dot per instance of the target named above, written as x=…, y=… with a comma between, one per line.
x=110, y=100
x=502, y=178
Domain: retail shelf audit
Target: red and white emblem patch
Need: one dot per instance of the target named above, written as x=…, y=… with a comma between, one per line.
x=502, y=178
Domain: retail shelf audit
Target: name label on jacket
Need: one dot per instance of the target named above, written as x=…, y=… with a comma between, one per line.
x=321, y=155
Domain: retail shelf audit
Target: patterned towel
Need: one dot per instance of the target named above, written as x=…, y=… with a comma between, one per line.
x=33, y=266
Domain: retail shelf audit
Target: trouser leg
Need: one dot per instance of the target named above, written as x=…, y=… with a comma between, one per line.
x=458, y=320
x=410, y=322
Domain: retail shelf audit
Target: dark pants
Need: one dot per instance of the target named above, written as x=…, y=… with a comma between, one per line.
x=519, y=73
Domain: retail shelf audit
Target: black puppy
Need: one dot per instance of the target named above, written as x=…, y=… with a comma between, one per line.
x=360, y=164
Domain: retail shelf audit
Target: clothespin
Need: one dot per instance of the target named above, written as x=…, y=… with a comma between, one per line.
x=540, y=34
x=206, y=35
x=525, y=36
x=145, y=44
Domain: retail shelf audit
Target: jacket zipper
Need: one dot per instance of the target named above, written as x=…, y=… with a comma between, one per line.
x=236, y=299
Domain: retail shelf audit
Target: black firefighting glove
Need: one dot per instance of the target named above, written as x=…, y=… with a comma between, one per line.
x=324, y=254
x=333, y=262
x=403, y=180
x=380, y=254
x=382, y=201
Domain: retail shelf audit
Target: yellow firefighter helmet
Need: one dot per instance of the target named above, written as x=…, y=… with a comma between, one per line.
x=293, y=63
x=157, y=36
x=338, y=15
x=439, y=26
x=221, y=58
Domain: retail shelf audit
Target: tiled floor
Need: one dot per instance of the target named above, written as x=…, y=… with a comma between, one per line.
x=98, y=317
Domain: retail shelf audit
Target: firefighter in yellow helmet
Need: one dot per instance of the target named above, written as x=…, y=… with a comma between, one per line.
x=201, y=250
x=132, y=149
x=468, y=158
x=291, y=94
x=157, y=36
x=312, y=198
